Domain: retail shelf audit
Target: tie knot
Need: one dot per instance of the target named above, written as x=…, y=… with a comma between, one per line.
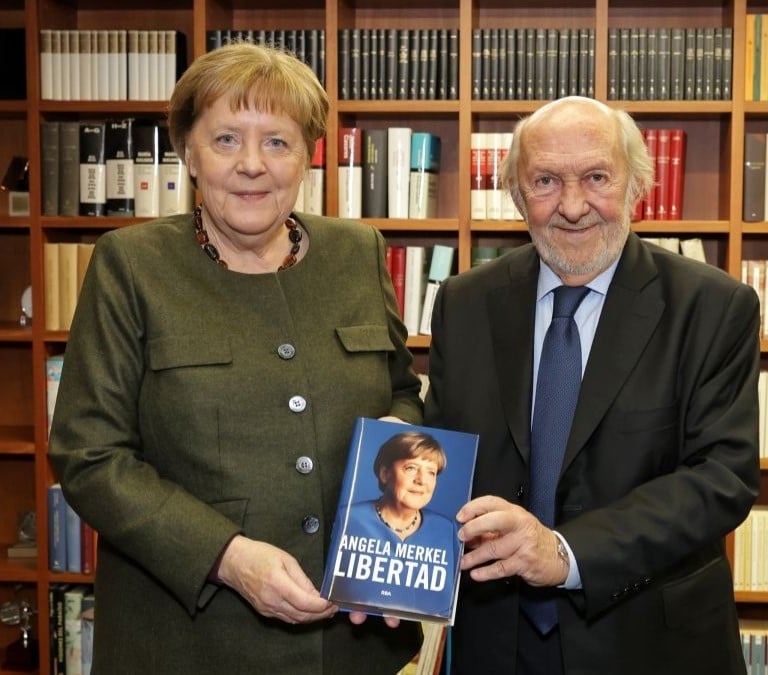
x=567, y=300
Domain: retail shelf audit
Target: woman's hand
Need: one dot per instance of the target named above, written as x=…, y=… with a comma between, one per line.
x=272, y=582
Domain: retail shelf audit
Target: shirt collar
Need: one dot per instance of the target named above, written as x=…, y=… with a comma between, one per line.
x=548, y=280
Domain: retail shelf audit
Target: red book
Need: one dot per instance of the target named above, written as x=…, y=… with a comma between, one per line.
x=87, y=548
x=651, y=142
x=662, y=174
x=676, y=173
x=398, y=275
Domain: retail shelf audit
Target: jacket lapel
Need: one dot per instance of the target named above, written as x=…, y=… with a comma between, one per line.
x=511, y=307
x=632, y=310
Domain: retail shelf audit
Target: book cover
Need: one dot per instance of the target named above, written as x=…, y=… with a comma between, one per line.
x=93, y=169
x=51, y=281
x=662, y=174
x=478, y=161
x=74, y=541
x=53, y=365
x=676, y=173
x=314, y=181
x=754, y=177
x=119, y=167
x=375, y=173
x=397, y=272
x=394, y=548
x=56, y=627
x=73, y=629
x=87, y=618
x=350, y=172
x=49, y=167
x=424, y=179
x=415, y=282
x=175, y=188
x=69, y=168
x=67, y=284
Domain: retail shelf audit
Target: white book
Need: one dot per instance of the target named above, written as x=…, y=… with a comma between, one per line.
x=422, y=195
x=133, y=65
x=102, y=66
x=86, y=88
x=509, y=210
x=478, y=169
x=170, y=63
x=398, y=171
x=314, y=191
x=122, y=64
x=56, y=66
x=494, y=191
x=439, y=270
x=74, y=65
x=415, y=284
x=46, y=64
x=143, y=93
x=95, y=93
x=693, y=248
x=176, y=191
x=66, y=89
x=154, y=65
x=73, y=629
x=113, y=61
x=350, y=191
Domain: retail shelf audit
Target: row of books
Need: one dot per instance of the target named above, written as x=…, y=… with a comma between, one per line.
x=657, y=64
x=110, y=65
x=756, y=58
x=114, y=167
x=388, y=173
x=64, y=266
x=750, y=543
x=691, y=247
x=307, y=45
x=71, y=621
x=532, y=63
x=753, y=273
x=754, y=643
x=666, y=148
x=391, y=63
x=71, y=541
x=417, y=272
x=489, y=200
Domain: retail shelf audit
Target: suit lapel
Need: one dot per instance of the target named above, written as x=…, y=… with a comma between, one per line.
x=511, y=308
x=632, y=310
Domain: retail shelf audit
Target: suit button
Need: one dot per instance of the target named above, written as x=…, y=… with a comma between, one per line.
x=520, y=491
x=310, y=524
x=286, y=351
x=297, y=404
x=304, y=465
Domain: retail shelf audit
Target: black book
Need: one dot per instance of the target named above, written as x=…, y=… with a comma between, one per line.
x=403, y=55
x=345, y=69
x=119, y=167
x=93, y=169
x=375, y=173
x=13, y=54
x=477, y=62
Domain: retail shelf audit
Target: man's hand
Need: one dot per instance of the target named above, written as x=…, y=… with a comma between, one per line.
x=273, y=582
x=512, y=541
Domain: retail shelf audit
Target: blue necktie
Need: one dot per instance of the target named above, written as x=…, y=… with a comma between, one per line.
x=557, y=390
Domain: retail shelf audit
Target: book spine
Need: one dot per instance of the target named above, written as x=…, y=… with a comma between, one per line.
x=423, y=184
x=398, y=171
x=493, y=192
x=478, y=163
x=119, y=168
x=49, y=175
x=93, y=179
x=69, y=168
x=314, y=186
x=398, y=275
x=651, y=143
x=676, y=173
x=662, y=174
x=350, y=172
x=175, y=188
x=146, y=170
x=67, y=283
x=415, y=279
x=57, y=529
x=754, y=177
x=74, y=560
x=375, y=173
x=53, y=366
x=51, y=284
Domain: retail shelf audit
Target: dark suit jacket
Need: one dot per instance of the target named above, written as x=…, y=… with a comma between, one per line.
x=660, y=465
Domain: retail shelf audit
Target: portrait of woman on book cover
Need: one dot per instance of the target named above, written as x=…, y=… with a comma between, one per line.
x=397, y=547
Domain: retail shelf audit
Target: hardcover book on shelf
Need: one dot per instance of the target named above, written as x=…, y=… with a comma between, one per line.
x=93, y=177
x=350, y=172
x=424, y=179
x=146, y=169
x=176, y=193
x=314, y=181
x=57, y=529
x=375, y=173
x=409, y=571
x=398, y=171
x=439, y=270
x=119, y=167
x=49, y=167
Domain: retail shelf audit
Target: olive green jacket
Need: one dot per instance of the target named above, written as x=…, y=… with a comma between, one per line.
x=196, y=403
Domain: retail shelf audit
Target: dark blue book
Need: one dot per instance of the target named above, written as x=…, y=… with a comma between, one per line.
x=57, y=529
x=394, y=548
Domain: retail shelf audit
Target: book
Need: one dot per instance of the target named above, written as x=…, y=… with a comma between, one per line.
x=754, y=177
x=53, y=365
x=69, y=168
x=424, y=179
x=49, y=167
x=439, y=270
x=478, y=162
x=56, y=626
x=74, y=541
x=51, y=280
x=375, y=173
x=22, y=549
x=398, y=171
x=397, y=256
x=676, y=173
x=415, y=282
x=93, y=176
x=73, y=629
x=411, y=572
x=175, y=188
x=67, y=283
x=88, y=607
x=146, y=169
x=662, y=174
x=314, y=181
x=350, y=172
x=57, y=529
x=118, y=153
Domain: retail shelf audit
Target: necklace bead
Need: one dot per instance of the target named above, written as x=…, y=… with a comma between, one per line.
x=399, y=530
x=294, y=236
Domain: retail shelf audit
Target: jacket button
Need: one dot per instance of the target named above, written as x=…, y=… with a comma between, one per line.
x=304, y=465
x=310, y=524
x=286, y=351
x=297, y=404
x=520, y=491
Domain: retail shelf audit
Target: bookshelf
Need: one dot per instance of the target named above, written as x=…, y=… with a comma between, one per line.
x=712, y=209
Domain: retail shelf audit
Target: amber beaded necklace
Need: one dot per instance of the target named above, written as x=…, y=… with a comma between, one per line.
x=294, y=235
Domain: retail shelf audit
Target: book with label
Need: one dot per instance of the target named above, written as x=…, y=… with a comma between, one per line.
x=146, y=169
x=175, y=189
x=375, y=173
x=439, y=270
x=424, y=180
x=398, y=171
x=120, y=167
x=314, y=181
x=412, y=571
x=93, y=169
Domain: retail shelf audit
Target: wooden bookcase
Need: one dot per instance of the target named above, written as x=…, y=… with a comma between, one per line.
x=712, y=208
